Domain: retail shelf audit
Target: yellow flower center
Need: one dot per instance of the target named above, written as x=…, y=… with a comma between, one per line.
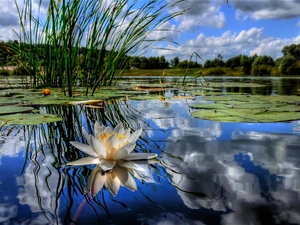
x=121, y=136
x=104, y=136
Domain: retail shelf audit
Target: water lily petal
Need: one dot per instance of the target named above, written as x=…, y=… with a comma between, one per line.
x=146, y=161
x=113, y=141
x=135, y=135
x=98, y=129
x=119, y=129
x=99, y=148
x=85, y=161
x=86, y=136
x=126, y=179
x=98, y=183
x=144, y=175
x=139, y=156
x=127, y=133
x=95, y=182
x=91, y=179
x=131, y=165
x=107, y=164
x=84, y=148
x=112, y=183
x=124, y=151
x=108, y=130
x=136, y=175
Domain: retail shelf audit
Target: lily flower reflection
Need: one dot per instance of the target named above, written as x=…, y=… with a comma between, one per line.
x=121, y=175
x=109, y=147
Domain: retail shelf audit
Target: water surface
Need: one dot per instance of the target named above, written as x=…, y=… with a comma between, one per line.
x=208, y=172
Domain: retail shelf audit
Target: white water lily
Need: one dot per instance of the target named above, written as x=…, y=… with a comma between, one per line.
x=109, y=147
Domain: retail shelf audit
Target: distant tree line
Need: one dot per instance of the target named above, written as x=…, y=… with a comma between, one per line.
x=160, y=62
x=288, y=64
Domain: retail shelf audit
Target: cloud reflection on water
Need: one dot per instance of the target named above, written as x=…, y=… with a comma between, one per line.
x=254, y=177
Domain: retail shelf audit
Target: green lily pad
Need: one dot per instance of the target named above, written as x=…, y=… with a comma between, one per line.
x=8, y=101
x=281, y=98
x=146, y=97
x=28, y=119
x=255, y=98
x=242, y=98
x=233, y=84
x=251, y=105
x=285, y=108
x=109, y=94
x=46, y=101
x=14, y=109
x=201, y=93
x=242, y=115
x=208, y=106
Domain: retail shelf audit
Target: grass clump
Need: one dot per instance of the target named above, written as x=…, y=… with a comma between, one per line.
x=215, y=71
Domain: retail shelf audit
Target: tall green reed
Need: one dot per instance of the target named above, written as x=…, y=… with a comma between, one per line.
x=87, y=40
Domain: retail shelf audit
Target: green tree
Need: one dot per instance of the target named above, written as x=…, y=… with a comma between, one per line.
x=135, y=62
x=286, y=62
x=207, y=64
x=183, y=64
x=163, y=63
x=233, y=62
x=246, y=63
x=263, y=60
x=174, y=62
x=293, y=50
x=218, y=61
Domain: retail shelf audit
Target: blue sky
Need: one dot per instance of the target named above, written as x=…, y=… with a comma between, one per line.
x=246, y=27
x=212, y=27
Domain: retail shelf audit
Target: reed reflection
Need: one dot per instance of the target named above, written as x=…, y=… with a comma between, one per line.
x=40, y=153
x=40, y=183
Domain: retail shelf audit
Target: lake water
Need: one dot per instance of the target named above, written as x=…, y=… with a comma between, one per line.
x=207, y=173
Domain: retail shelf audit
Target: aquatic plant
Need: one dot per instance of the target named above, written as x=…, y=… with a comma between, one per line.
x=109, y=147
x=248, y=108
x=51, y=47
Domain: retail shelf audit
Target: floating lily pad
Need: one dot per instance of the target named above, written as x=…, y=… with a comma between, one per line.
x=201, y=88
x=242, y=115
x=8, y=101
x=208, y=106
x=28, y=119
x=255, y=98
x=206, y=93
x=49, y=100
x=242, y=98
x=184, y=97
x=146, y=97
x=14, y=109
x=233, y=84
x=109, y=94
x=281, y=98
x=250, y=105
